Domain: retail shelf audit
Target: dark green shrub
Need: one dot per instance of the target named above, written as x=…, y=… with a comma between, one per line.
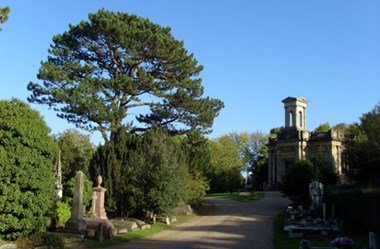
x=357, y=207
x=295, y=184
x=141, y=173
x=26, y=170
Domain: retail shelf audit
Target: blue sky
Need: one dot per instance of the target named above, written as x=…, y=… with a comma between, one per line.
x=255, y=53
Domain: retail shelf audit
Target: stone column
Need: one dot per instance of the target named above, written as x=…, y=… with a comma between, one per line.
x=76, y=223
x=98, y=203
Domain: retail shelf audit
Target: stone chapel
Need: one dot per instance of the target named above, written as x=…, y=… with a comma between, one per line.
x=294, y=142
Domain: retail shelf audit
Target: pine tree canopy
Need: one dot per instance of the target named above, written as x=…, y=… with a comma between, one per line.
x=4, y=12
x=118, y=69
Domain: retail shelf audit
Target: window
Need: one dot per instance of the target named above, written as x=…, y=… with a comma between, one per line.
x=290, y=118
x=300, y=118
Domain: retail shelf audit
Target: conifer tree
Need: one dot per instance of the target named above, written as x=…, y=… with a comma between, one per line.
x=4, y=13
x=102, y=69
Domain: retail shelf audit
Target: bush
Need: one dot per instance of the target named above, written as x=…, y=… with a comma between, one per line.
x=357, y=207
x=62, y=213
x=295, y=184
x=26, y=170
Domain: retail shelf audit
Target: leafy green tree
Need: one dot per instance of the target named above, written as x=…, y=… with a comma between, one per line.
x=196, y=151
x=295, y=184
x=342, y=127
x=27, y=153
x=325, y=127
x=4, y=13
x=225, y=171
x=243, y=146
x=364, y=149
x=76, y=152
x=102, y=71
x=253, y=153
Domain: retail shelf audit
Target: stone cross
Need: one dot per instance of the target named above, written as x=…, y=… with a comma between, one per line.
x=76, y=223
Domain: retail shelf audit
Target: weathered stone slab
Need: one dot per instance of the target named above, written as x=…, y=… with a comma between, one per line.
x=107, y=226
x=130, y=225
x=8, y=246
x=184, y=209
x=122, y=231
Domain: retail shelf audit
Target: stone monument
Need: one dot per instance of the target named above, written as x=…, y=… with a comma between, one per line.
x=76, y=223
x=316, y=194
x=58, y=177
x=98, y=200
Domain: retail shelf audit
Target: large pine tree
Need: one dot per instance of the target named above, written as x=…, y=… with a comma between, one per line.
x=117, y=68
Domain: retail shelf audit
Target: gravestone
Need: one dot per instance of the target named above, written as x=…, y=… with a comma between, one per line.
x=97, y=208
x=76, y=223
x=373, y=244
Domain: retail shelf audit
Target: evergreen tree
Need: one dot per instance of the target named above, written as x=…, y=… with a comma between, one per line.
x=160, y=173
x=27, y=153
x=4, y=13
x=141, y=173
x=114, y=162
x=102, y=69
x=196, y=151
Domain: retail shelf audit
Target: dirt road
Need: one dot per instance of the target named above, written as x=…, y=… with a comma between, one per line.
x=226, y=224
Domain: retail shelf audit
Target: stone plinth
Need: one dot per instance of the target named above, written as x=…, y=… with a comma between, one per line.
x=98, y=202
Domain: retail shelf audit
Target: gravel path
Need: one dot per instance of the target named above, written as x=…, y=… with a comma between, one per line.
x=225, y=224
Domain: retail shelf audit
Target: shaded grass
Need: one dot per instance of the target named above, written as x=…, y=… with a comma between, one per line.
x=238, y=197
x=123, y=238
x=282, y=241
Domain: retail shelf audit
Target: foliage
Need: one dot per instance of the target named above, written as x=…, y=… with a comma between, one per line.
x=40, y=239
x=349, y=202
x=69, y=188
x=101, y=69
x=197, y=156
x=4, y=13
x=325, y=172
x=26, y=170
x=195, y=188
x=342, y=127
x=295, y=184
x=76, y=152
x=364, y=149
x=224, y=173
x=62, y=213
x=325, y=127
x=160, y=174
x=141, y=172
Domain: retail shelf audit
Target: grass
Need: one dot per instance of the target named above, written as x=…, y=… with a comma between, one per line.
x=123, y=238
x=236, y=197
x=282, y=241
